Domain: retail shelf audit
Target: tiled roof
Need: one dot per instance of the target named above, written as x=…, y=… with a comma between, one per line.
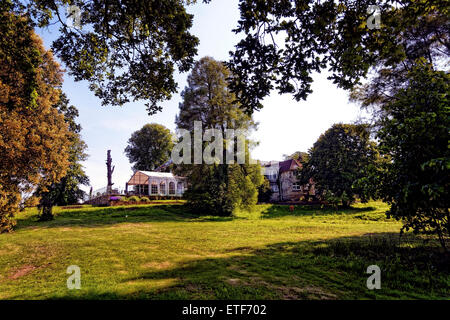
x=289, y=165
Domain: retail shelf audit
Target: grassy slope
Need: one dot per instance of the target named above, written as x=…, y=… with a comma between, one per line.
x=158, y=252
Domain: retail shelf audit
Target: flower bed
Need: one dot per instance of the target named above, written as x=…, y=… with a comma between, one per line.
x=132, y=203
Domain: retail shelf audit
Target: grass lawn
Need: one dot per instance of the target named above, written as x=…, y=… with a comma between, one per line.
x=160, y=252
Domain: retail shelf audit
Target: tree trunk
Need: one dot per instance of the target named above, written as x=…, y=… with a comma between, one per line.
x=346, y=204
x=47, y=213
x=110, y=170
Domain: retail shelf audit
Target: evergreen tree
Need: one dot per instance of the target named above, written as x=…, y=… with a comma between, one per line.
x=217, y=188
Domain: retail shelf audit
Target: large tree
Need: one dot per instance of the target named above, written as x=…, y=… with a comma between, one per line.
x=297, y=155
x=34, y=137
x=150, y=147
x=67, y=190
x=217, y=188
x=338, y=160
x=126, y=49
x=285, y=42
x=414, y=135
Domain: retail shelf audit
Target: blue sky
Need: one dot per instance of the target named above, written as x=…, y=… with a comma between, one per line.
x=285, y=125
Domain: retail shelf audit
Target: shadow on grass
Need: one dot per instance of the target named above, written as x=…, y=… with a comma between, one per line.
x=277, y=211
x=333, y=269
x=96, y=216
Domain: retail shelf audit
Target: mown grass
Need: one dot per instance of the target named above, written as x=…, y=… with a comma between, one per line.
x=161, y=252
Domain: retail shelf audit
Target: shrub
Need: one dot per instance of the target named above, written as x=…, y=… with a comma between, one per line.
x=125, y=199
x=115, y=198
x=145, y=199
x=134, y=199
x=264, y=191
x=334, y=200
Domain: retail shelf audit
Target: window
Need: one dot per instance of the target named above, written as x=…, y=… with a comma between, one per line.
x=296, y=187
x=171, y=187
x=180, y=187
x=154, y=188
x=162, y=188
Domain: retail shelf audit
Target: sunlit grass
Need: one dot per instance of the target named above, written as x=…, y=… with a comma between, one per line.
x=162, y=252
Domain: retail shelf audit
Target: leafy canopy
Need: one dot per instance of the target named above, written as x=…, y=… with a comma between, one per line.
x=338, y=159
x=128, y=50
x=150, y=147
x=285, y=42
x=34, y=137
x=67, y=190
x=414, y=135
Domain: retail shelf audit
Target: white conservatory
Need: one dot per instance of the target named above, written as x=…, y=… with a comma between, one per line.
x=152, y=183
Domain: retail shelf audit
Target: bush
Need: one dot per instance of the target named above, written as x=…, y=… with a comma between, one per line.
x=125, y=199
x=134, y=199
x=335, y=200
x=145, y=199
x=264, y=191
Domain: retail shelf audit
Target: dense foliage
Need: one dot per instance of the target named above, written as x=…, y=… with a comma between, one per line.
x=34, y=137
x=67, y=190
x=285, y=42
x=414, y=136
x=297, y=155
x=338, y=160
x=150, y=147
x=217, y=188
x=127, y=50
x=264, y=191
